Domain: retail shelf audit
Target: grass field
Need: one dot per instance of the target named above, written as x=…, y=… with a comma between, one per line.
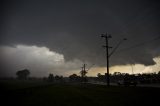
x=40, y=94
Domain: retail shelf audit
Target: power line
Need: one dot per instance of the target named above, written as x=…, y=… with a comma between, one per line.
x=140, y=44
x=114, y=50
x=107, y=47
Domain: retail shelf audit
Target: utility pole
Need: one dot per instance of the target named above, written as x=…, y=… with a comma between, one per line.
x=83, y=72
x=84, y=67
x=106, y=46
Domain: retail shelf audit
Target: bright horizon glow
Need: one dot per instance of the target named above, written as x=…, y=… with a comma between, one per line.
x=137, y=68
x=42, y=61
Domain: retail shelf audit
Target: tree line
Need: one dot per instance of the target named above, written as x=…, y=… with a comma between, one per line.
x=144, y=78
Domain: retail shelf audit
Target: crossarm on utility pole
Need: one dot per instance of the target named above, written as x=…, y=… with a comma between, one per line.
x=107, y=55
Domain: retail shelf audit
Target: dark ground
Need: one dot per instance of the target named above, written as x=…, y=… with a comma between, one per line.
x=44, y=94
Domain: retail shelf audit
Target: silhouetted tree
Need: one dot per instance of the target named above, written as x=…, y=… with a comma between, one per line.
x=58, y=78
x=83, y=73
x=98, y=75
x=116, y=73
x=74, y=78
x=101, y=77
x=158, y=72
x=51, y=78
x=83, y=76
x=23, y=74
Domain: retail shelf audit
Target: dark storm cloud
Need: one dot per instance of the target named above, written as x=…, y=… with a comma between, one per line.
x=73, y=28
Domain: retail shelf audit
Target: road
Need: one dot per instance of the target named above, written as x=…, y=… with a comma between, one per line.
x=139, y=85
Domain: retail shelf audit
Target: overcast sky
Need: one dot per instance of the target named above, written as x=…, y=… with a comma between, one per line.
x=60, y=35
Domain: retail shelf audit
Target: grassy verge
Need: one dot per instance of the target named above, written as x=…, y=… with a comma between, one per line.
x=77, y=95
